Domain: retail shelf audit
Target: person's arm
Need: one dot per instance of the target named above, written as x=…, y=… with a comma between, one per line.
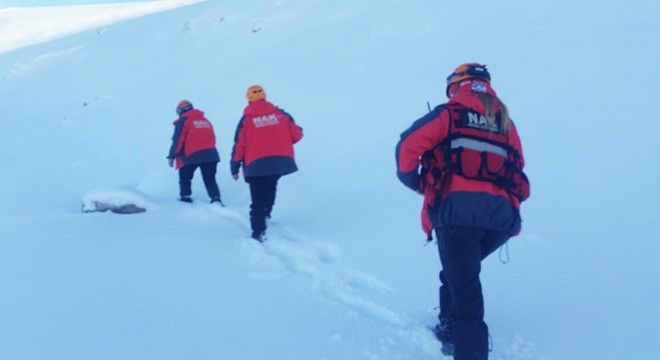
x=238, y=151
x=177, y=141
x=424, y=134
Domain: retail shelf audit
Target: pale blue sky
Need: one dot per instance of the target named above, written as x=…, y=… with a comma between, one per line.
x=27, y=3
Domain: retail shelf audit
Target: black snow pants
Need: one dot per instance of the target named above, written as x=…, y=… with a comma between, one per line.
x=208, y=174
x=262, y=191
x=461, y=250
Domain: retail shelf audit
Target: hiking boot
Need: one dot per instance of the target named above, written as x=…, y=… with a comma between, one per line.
x=186, y=199
x=444, y=332
x=259, y=236
x=447, y=349
x=218, y=201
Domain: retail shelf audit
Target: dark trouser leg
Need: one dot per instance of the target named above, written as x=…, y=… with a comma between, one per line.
x=445, y=301
x=185, y=180
x=261, y=190
x=208, y=174
x=491, y=242
x=272, y=191
x=444, y=330
x=461, y=251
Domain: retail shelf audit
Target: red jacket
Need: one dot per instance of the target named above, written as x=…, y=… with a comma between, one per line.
x=264, y=141
x=193, y=141
x=460, y=200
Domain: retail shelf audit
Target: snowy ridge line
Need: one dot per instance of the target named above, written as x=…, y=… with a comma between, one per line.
x=21, y=67
x=25, y=26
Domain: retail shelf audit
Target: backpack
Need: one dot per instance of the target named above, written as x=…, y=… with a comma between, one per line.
x=475, y=149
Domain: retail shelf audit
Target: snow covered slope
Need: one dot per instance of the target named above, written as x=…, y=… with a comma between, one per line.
x=345, y=274
x=23, y=26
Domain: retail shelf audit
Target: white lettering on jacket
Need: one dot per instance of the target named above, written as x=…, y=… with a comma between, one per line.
x=479, y=121
x=266, y=120
x=201, y=124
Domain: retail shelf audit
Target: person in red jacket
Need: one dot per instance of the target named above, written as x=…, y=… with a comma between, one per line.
x=466, y=158
x=193, y=146
x=263, y=145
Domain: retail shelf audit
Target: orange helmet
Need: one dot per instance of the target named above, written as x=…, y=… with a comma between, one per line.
x=468, y=71
x=183, y=106
x=255, y=93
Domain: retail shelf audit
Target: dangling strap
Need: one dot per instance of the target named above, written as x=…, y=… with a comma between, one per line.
x=504, y=249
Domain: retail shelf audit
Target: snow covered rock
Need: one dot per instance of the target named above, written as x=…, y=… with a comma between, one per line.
x=118, y=201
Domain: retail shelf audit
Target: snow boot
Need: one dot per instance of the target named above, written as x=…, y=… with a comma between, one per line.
x=444, y=332
x=259, y=236
x=218, y=201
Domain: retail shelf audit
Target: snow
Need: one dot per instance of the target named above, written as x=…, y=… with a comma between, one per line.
x=23, y=26
x=88, y=96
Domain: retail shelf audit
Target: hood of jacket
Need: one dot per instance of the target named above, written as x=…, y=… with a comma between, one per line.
x=466, y=94
x=194, y=113
x=259, y=107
